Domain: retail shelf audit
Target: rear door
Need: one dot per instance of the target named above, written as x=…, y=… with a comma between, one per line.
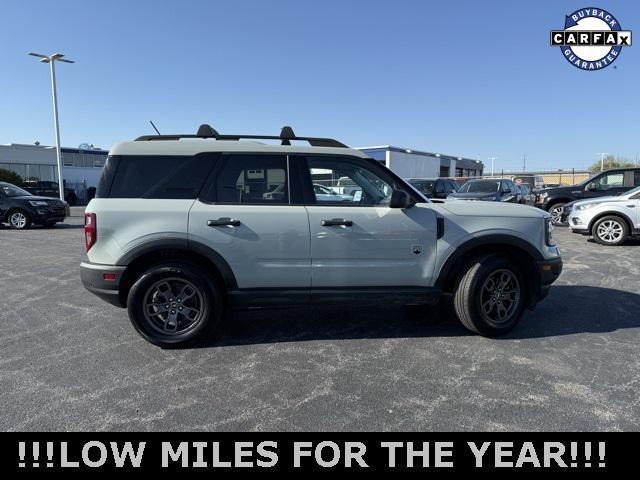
x=359, y=241
x=246, y=214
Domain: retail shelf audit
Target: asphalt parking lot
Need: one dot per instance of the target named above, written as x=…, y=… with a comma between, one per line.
x=71, y=362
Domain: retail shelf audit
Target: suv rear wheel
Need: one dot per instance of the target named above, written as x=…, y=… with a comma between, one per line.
x=610, y=230
x=174, y=304
x=490, y=297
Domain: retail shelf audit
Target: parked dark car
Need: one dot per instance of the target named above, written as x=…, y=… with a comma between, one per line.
x=607, y=183
x=434, y=187
x=20, y=209
x=49, y=189
x=489, y=190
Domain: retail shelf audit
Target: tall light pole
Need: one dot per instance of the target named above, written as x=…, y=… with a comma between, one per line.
x=51, y=60
x=602, y=154
x=492, y=159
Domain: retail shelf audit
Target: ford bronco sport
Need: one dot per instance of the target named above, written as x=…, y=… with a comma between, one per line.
x=185, y=226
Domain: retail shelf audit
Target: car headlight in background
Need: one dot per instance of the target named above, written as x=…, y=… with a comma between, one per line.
x=548, y=233
x=586, y=206
x=542, y=197
x=38, y=203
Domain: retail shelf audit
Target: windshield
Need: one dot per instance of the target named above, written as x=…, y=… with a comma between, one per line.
x=13, y=191
x=480, y=187
x=424, y=187
x=584, y=182
x=631, y=193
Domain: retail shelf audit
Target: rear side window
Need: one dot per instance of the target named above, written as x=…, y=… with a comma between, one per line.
x=160, y=177
x=252, y=179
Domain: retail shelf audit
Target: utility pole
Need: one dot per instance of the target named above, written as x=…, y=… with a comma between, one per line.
x=524, y=163
x=51, y=60
x=602, y=154
x=492, y=164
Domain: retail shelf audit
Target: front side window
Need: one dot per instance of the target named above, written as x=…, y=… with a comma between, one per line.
x=606, y=182
x=348, y=182
x=253, y=179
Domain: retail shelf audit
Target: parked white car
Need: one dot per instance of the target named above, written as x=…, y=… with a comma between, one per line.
x=184, y=226
x=609, y=220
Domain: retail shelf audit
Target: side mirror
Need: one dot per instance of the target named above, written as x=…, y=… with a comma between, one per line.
x=400, y=199
x=591, y=187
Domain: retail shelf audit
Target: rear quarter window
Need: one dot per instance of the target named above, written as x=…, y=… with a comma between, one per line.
x=150, y=176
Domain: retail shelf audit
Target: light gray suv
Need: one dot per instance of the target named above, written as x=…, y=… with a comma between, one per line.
x=185, y=226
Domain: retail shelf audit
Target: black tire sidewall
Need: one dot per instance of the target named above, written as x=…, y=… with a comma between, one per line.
x=211, y=296
x=26, y=214
x=488, y=266
x=556, y=205
x=625, y=230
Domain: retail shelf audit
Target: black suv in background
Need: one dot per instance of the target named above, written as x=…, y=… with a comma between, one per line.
x=434, y=187
x=488, y=190
x=49, y=189
x=602, y=184
x=20, y=208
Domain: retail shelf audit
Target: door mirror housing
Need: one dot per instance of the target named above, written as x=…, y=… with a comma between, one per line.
x=400, y=199
x=591, y=187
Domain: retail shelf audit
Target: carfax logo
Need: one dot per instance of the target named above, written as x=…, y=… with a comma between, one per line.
x=592, y=38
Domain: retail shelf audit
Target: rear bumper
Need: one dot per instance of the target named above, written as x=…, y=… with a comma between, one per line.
x=93, y=279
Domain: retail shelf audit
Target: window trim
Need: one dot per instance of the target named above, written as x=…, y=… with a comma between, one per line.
x=370, y=164
x=224, y=157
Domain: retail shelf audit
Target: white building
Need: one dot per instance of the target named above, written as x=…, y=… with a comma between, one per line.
x=409, y=163
x=81, y=167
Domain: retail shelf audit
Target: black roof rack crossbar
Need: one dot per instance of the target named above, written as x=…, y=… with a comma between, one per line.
x=205, y=131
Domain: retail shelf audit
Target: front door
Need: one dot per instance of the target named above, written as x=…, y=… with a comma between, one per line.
x=245, y=215
x=357, y=240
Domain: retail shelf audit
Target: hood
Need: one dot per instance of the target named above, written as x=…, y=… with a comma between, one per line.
x=610, y=199
x=473, y=195
x=568, y=189
x=493, y=209
x=36, y=197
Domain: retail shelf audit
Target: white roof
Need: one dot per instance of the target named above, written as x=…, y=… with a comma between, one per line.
x=194, y=146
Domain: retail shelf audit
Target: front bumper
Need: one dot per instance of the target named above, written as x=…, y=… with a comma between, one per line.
x=579, y=222
x=549, y=271
x=103, y=281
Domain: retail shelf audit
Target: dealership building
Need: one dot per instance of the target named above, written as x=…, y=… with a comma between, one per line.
x=409, y=163
x=82, y=166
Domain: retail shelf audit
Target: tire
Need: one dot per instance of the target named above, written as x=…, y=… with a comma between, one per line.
x=481, y=285
x=19, y=219
x=610, y=230
x=555, y=211
x=199, y=292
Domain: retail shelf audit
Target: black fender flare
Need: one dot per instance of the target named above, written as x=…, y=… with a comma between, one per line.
x=491, y=239
x=184, y=244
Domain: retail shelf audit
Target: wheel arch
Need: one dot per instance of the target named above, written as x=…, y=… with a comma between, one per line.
x=610, y=213
x=555, y=200
x=521, y=252
x=139, y=258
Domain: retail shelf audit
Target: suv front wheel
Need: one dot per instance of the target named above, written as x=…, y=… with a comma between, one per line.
x=490, y=297
x=174, y=304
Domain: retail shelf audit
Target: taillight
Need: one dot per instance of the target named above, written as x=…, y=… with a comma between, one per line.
x=90, y=230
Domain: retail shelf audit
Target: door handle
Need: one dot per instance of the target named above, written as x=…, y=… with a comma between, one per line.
x=223, y=222
x=335, y=222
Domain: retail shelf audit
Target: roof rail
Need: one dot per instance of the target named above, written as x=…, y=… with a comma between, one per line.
x=286, y=135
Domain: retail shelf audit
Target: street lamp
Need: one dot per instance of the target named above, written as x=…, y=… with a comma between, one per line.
x=602, y=154
x=51, y=60
x=492, y=159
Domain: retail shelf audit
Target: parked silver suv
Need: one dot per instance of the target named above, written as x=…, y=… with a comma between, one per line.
x=184, y=226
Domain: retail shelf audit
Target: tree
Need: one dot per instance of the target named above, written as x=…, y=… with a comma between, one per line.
x=611, y=162
x=10, y=177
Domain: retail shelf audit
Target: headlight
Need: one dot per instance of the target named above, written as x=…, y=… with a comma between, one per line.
x=38, y=203
x=548, y=232
x=586, y=206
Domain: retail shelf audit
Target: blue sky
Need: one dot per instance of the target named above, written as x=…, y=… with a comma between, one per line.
x=458, y=77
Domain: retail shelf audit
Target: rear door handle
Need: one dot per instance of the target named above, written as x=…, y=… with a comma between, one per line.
x=335, y=222
x=224, y=222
